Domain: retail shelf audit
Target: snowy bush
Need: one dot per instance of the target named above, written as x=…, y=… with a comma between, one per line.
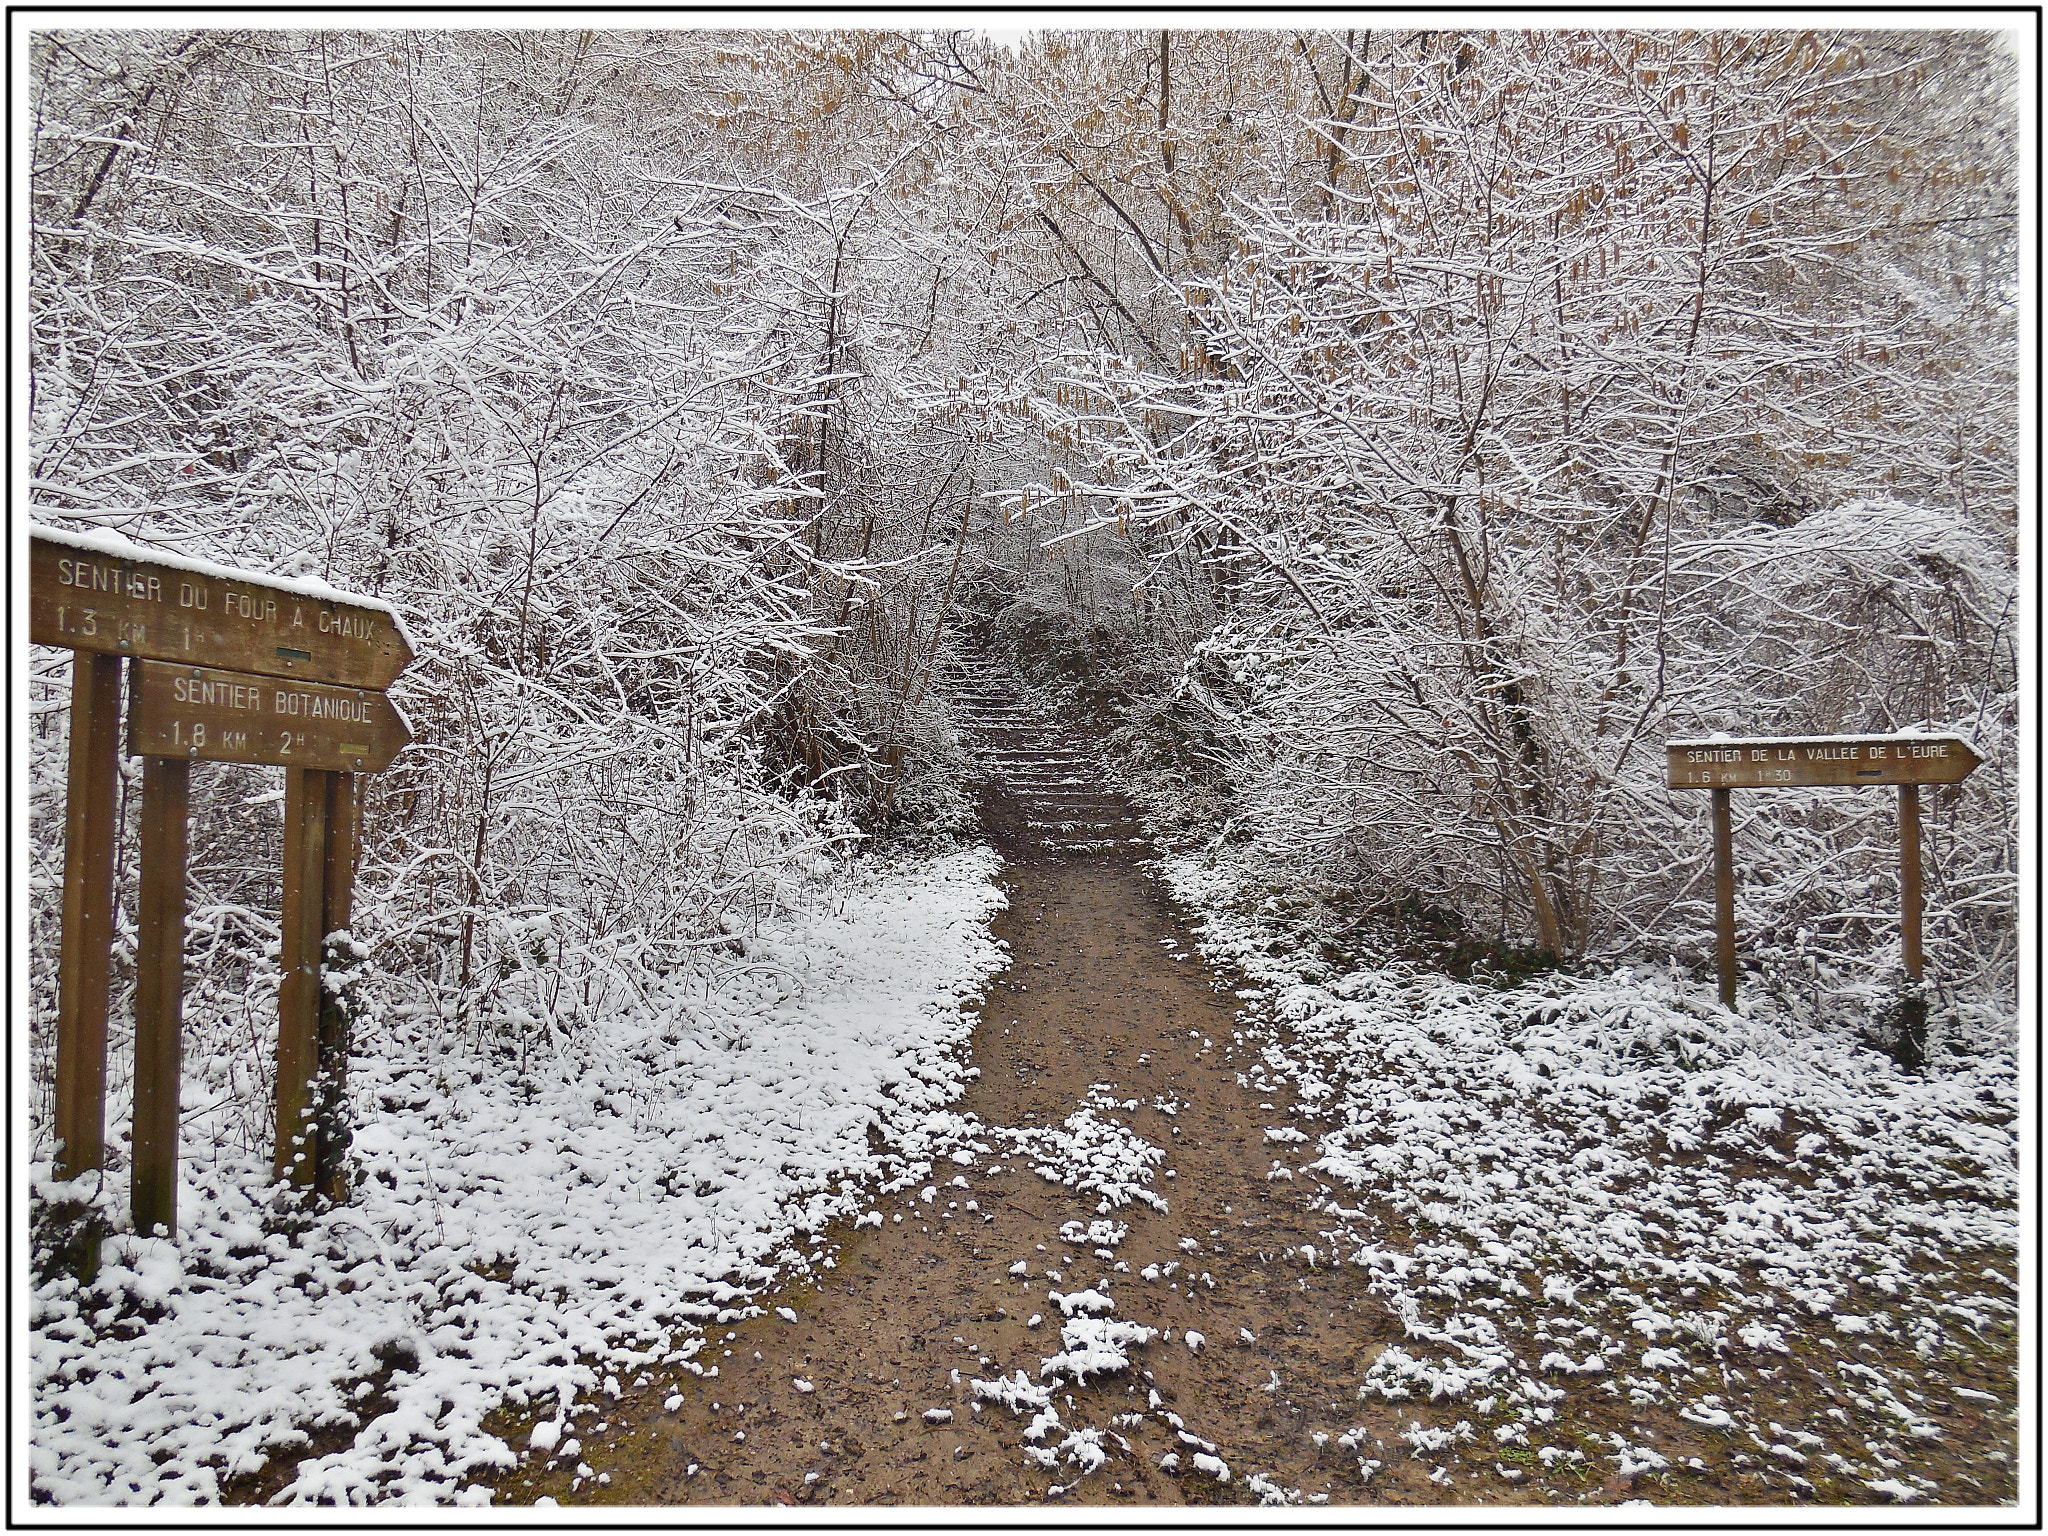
x=1477, y=482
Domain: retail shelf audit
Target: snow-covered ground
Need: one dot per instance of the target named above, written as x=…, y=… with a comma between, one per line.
x=1610, y=1187
x=519, y=1240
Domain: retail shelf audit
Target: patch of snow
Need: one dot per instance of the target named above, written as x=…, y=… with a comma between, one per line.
x=510, y=1245
x=1016, y=1393
x=1095, y=1346
x=1090, y=1301
x=1092, y=1155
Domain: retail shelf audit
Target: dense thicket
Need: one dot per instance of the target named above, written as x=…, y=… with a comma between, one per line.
x=1537, y=399
x=1602, y=390
x=1402, y=433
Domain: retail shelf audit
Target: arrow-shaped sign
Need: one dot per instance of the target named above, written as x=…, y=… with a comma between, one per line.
x=1787, y=762
x=210, y=715
x=100, y=592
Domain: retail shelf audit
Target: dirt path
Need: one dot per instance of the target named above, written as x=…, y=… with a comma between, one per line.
x=1106, y=1008
x=1108, y=1035
x=928, y=1305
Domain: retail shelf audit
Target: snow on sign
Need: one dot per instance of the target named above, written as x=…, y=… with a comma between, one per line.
x=99, y=592
x=1788, y=762
x=223, y=666
x=230, y=717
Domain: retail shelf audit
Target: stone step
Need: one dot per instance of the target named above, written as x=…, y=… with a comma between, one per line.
x=1054, y=778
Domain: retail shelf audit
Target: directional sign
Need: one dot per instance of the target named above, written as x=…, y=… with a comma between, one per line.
x=1785, y=762
x=99, y=592
x=232, y=717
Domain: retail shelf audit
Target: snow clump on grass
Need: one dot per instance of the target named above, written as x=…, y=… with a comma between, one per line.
x=1095, y=1234
x=1095, y=1346
x=1016, y=1393
x=1091, y=1155
x=1091, y=1301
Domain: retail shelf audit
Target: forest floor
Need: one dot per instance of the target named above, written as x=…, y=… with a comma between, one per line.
x=1155, y=1204
x=1125, y=1294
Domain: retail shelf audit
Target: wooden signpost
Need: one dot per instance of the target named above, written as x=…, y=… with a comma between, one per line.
x=1723, y=763
x=226, y=666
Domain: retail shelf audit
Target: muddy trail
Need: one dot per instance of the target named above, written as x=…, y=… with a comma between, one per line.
x=868, y=1396
x=1167, y=1326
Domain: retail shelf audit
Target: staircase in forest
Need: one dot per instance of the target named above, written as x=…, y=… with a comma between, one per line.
x=1044, y=786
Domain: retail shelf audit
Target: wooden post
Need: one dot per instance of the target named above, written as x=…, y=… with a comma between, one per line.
x=1724, y=899
x=1909, y=877
x=1911, y=1049
x=88, y=936
x=159, y=994
x=337, y=889
x=298, y=998
x=312, y=1029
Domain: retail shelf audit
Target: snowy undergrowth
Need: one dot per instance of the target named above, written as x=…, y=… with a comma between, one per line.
x=1610, y=1184
x=520, y=1241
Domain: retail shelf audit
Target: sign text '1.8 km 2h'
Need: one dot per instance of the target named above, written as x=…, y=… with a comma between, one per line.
x=99, y=592
x=231, y=717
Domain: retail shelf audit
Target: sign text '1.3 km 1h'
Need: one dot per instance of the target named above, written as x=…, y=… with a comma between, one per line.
x=99, y=592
